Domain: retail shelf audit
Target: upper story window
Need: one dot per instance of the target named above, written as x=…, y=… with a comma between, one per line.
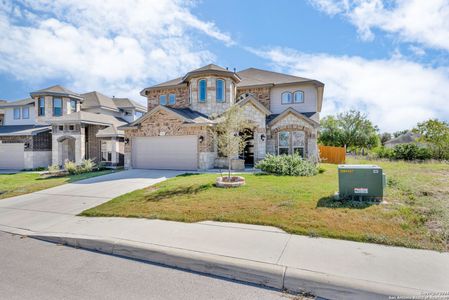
x=73, y=105
x=163, y=99
x=57, y=107
x=298, y=97
x=219, y=90
x=16, y=113
x=202, y=90
x=25, y=112
x=286, y=98
x=41, y=106
x=171, y=99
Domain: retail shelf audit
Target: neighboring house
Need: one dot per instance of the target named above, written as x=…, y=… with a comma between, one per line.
x=406, y=138
x=174, y=134
x=56, y=124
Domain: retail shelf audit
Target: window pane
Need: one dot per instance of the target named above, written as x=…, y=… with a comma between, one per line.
x=284, y=138
x=219, y=90
x=73, y=105
x=163, y=100
x=298, y=138
x=299, y=97
x=283, y=151
x=57, y=107
x=41, y=108
x=17, y=113
x=26, y=112
x=202, y=90
x=286, y=98
x=171, y=99
x=299, y=151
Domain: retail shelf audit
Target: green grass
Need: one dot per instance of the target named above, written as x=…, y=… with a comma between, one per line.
x=416, y=213
x=27, y=182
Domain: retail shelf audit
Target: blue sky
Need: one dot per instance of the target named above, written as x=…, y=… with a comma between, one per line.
x=387, y=58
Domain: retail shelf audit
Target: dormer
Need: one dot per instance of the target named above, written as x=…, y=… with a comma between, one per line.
x=55, y=101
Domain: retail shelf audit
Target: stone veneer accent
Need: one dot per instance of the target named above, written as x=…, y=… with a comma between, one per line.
x=181, y=92
x=257, y=118
x=167, y=124
x=211, y=106
x=293, y=123
x=261, y=93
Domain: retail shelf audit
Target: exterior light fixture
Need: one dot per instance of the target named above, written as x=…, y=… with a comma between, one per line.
x=262, y=137
x=201, y=139
x=27, y=145
x=126, y=141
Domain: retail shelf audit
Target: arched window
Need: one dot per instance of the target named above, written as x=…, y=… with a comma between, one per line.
x=298, y=97
x=286, y=98
x=202, y=90
x=219, y=90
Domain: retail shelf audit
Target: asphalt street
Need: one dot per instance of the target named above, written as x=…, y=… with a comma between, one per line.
x=32, y=269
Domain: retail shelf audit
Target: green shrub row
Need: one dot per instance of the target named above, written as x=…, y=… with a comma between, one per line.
x=291, y=165
x=404, y=152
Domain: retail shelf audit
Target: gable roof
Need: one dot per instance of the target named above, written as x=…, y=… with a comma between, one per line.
x=17, y=103
x=20, y=130
x=254, y=77
x=273, y=119
x=406, y=138
x=250, y=99
x=97, y=100
x=128, y=103
x=187, y=115
x=56, y=90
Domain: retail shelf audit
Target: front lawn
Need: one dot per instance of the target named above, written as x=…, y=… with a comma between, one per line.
x=27, y=182
x=416, y=213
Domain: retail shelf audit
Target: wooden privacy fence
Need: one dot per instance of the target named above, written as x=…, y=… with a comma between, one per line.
x=332, y=155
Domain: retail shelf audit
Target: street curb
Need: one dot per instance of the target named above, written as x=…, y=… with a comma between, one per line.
x=265, y=274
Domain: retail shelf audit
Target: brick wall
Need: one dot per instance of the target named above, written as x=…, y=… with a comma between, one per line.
x=93, y=149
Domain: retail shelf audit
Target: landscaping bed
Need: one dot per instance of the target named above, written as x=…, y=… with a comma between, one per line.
x=27, y=182
x=415, y=212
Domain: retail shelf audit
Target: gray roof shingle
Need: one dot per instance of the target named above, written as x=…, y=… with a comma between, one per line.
x=20, y=130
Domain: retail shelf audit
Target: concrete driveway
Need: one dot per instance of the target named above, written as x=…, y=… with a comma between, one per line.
x=39, y=210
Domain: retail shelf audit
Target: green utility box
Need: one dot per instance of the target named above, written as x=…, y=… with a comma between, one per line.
x=362, y=182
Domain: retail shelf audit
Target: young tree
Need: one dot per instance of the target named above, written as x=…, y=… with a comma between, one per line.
x=351, y=129
x=436, y=134
x=384, y=137
x=229, y=140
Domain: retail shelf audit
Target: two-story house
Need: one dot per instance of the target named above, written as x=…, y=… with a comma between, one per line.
x=56, y=124
x=283, y=111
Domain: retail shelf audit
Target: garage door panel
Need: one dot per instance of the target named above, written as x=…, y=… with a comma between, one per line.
x=165, y=152
x=12, y=156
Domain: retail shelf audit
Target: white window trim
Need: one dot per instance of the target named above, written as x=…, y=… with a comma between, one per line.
x=294, y=96
x=19, y=109
x=199, y=91
x=282, y=98
x=23, y=115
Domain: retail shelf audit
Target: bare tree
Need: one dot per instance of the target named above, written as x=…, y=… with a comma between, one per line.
x=228, y=131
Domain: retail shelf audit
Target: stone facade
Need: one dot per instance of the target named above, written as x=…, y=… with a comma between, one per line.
x=163, y=123
x=291, y=123
x=182, y=96
x=262, y=94
x=211, y=106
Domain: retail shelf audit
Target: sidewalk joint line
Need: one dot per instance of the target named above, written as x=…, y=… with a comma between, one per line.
x=283, y=250
x=37, y=210
x=65, y=195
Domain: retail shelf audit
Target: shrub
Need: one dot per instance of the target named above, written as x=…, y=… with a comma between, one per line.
x=70, y=167
x=87, y=165
x=53, y=169
x=411, y=152
x=382, y=152
x=291, y=165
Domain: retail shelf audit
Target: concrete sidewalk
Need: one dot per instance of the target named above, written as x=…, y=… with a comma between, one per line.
x=328, y=268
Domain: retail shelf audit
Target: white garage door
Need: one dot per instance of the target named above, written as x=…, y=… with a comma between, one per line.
x=165, y=152
x=11, y=156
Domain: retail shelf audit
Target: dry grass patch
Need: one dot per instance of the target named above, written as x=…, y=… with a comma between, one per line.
x=416, y=214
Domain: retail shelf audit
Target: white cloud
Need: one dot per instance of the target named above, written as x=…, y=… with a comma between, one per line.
x=117, y=47
x=395, y=93
x=422, y=21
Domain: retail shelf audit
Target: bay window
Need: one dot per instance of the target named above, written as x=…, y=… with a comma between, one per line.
x=202, y=90
x=219, y=90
